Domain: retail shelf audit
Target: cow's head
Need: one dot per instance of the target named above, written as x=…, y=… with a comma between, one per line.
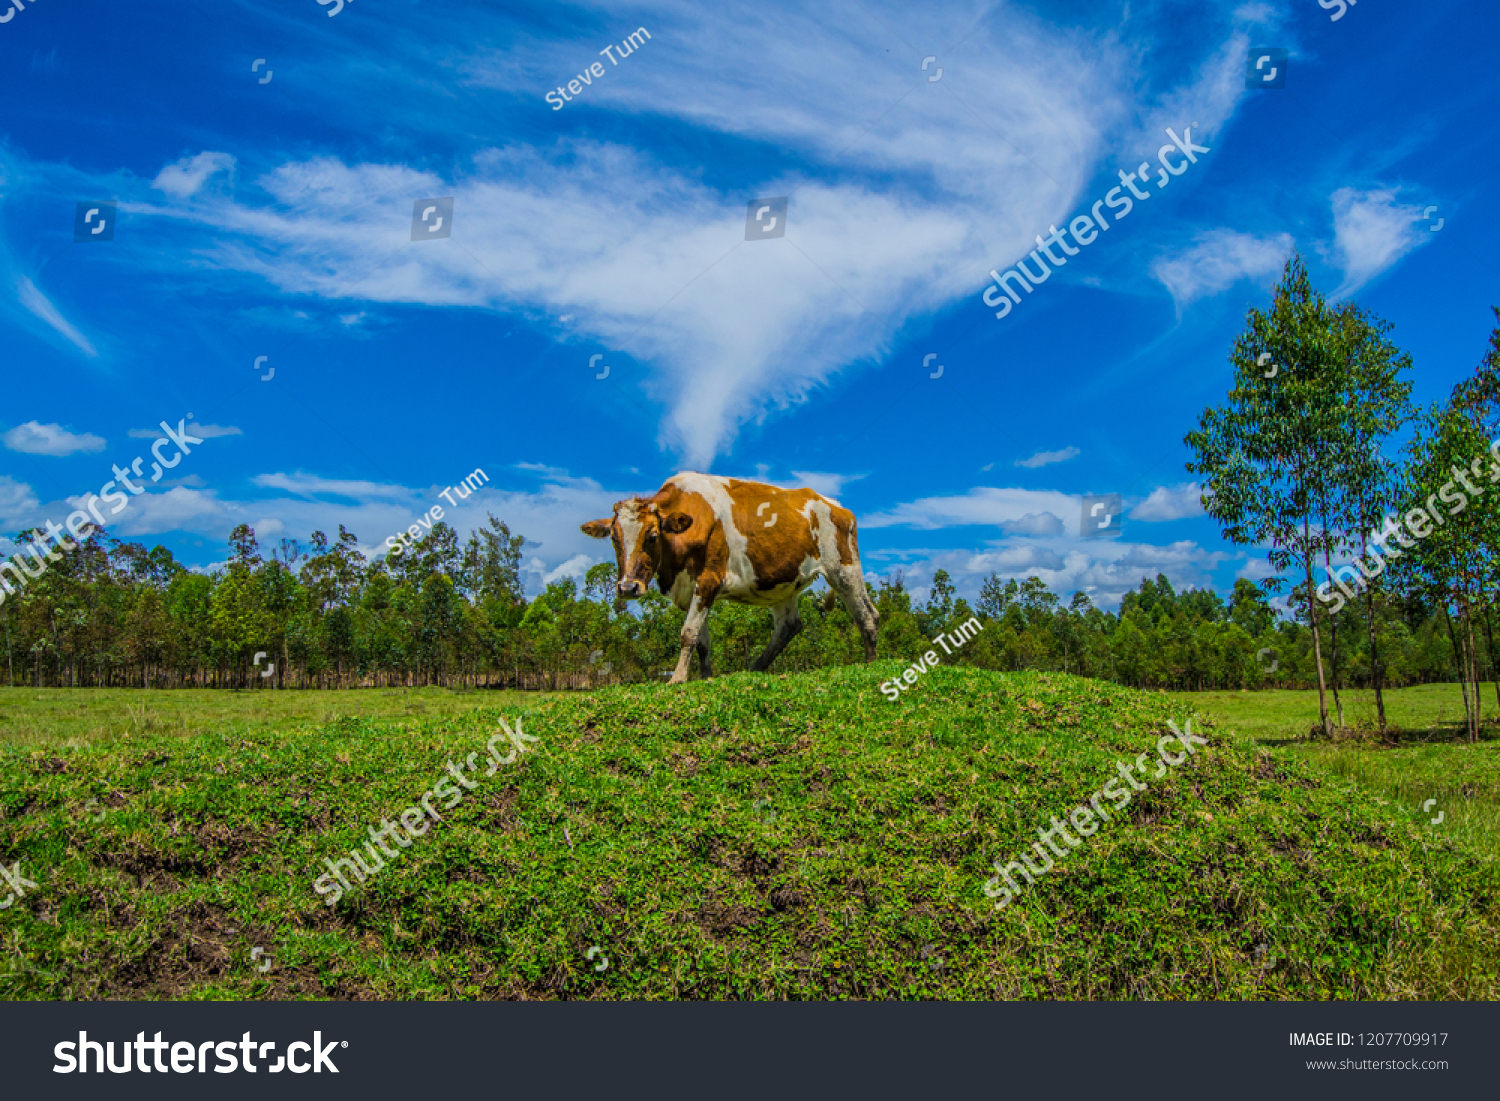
x=638, y=530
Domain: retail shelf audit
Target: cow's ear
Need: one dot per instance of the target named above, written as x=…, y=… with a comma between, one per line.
x=598, y=529
x=677, y=523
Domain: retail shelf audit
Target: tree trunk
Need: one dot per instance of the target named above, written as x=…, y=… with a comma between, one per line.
x=1374, y=659
x=1474, y=669
x=1312, y=617
x=1489, y=635
x=1333, y=654
x=1463, y=671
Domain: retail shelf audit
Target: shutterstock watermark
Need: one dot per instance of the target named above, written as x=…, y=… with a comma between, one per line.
x=414, y=818
x=1100, y=518
x=189, y=1058
x=1418, y=521
x=1083, y=817
x=1086, y=228
x=79, y=523
x=17, y=883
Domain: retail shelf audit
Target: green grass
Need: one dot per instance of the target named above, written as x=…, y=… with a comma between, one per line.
x=794, y=836
x=1424, y=756
x=1434, y=712
x=65, y=717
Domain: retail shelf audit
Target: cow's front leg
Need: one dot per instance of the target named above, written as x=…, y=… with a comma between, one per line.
x=697, y=616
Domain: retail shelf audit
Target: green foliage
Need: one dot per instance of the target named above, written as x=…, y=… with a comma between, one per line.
x=750, y=837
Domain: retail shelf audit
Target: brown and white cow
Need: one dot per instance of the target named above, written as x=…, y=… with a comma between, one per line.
x=704, y=538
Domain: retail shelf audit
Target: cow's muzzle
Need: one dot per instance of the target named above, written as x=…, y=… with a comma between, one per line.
x=631, y=588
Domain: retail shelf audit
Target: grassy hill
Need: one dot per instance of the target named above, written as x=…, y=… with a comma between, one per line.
x=749, y=837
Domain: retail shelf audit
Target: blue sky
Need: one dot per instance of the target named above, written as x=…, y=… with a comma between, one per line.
x=274, y=217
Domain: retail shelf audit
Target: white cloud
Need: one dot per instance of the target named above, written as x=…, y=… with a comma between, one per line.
x=1217, y=260
x=1256, y=569
x=1106, y=571
x=38, y=304
x=18, y=504
x=309, y=485
x=202, y=431
x=192, y=480
x=1371, y=231
x=830, y=485
x=213, y=431
x=183, y=179
x=574, y=567
x=1034, y=523
x=1043, y=458
x=32, y=438
x=1170, y=503
x=178, y=509
x=612, y=247
x=981, y=505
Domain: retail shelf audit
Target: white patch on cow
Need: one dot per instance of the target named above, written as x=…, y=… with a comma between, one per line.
x=828, y=543
x=740, y=576
x=630, y=534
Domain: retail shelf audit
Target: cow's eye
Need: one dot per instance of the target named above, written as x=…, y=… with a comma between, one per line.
x=650, y=538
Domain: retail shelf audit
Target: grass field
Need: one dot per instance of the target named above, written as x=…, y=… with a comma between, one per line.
x=1423, y=757
x=753, y=836
x=74, y=717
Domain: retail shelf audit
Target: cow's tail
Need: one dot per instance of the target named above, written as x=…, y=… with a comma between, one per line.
x=830, y=598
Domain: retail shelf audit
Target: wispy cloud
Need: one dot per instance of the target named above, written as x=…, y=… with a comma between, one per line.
x=1170, y=503
x=830, y=485
x=18, y=504
x=39, y=305
x=32, y=438
x=1034, y=523
x=1371, y=231
x=1046, y=458
x=202, y=431
x=620, y=248
x=1217, y=260
x=310, y=485
x=183, y=179
x=981, y=505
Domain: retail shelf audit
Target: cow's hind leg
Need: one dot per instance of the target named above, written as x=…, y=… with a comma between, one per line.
x=705, y=663
x=850, y=585
x=788, y=624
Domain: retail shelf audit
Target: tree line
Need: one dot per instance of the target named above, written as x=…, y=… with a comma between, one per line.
x=1323, y=463
x=112, y=614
